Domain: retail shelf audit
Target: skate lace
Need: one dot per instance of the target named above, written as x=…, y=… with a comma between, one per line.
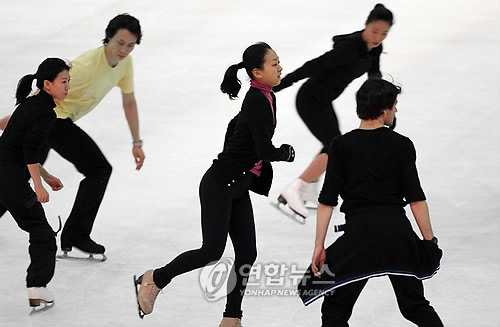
x=152, y=291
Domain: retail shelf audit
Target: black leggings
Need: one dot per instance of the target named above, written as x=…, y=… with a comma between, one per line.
x=74, y=145
x=224, y=210
x=319, y=116
x=18, y=198
x=337, y=307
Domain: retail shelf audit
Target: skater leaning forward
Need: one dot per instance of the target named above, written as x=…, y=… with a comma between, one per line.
x=373, y=169
x=328, y=75
x=243, y=166
x=94, y=73
x=20, y=143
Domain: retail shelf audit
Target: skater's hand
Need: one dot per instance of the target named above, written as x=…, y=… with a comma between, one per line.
x=138, y=157
x=41, y=194
x=318, y=260
x=54, y=182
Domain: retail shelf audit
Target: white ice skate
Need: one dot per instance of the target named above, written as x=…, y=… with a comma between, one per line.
x=89, y=248
x=310, y=195
x=292, y=196
x=39, y=295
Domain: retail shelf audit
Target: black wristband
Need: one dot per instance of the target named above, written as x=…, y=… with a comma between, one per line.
x=434, y=240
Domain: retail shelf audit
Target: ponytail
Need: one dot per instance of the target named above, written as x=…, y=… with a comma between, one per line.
x=24, y=88
x=47, y=71
x=231, y=84
x=253, y=57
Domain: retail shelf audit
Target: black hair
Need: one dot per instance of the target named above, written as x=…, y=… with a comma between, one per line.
x=125, y=21
x=380, y=12
x=253, y=57
x=375, y=96
x=47, y=71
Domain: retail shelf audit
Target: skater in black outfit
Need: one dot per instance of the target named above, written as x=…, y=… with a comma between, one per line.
x=243, y=166
x=352, y=56
x=20, y=143
x=373, y=169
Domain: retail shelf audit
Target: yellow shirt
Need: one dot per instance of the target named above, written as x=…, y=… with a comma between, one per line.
x=91, y=79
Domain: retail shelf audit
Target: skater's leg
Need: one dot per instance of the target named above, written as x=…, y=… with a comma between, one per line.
x=315, y=169
x=242, y=233
x=337, y=307
x=3, y=122
x=215, y=214
x=73, y=144
x=18, y=197
x=412, y=302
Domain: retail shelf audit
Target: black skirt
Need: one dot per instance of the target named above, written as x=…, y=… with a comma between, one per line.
x=372, y=245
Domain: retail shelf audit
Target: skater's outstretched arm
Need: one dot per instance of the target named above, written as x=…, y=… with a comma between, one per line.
x=323, y=220
x=130, y=107
x=420, y=211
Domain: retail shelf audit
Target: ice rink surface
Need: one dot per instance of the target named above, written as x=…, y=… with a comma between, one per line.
x=445, y=54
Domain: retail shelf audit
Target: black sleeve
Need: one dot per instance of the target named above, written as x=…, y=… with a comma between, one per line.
x=374, y=70
x=410, y=183
x=341, y=55
x=260, y=123
x=36, y=135
x=334, y=177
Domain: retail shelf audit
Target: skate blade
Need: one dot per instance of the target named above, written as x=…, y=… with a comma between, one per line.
x=290, y=213
x=89, y=258
x=40, y=308
x=137, y=282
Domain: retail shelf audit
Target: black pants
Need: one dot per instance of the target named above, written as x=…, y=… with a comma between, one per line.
x=19, y=199
x=319, y=116
x=74, y=145
x=224, y=210
x=337, y=307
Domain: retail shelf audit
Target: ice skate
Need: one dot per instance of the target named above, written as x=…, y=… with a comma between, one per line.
x=88, y=247
x=230, y=322
x=310, y=195
x=38, y=296
x=292, y=197
x=146, y=294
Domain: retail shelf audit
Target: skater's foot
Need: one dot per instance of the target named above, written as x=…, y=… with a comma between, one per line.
x=292, y=195
x=37, y=295
x=230, y=322
x=88, y=245
x=148, y=292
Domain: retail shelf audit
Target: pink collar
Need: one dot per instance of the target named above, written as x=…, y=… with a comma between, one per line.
x=263, y=87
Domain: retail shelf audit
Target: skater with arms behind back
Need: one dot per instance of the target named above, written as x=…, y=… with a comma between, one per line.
x=20, y=143
x=243, y=166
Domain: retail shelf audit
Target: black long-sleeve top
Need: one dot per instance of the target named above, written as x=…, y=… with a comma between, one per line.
x=332, y=72
x=28, y=129
x=370, y=169
x=248, y=140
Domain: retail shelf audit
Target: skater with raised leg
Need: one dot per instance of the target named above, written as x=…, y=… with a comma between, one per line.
x=244, y=165
x=20, y=143
x=373, y=169
x=352, y=56
x=94, y=74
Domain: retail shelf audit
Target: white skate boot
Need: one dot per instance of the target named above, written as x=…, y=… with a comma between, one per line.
x=292, y=195
x=37, y=295
x=230, y=322
x=310, y=195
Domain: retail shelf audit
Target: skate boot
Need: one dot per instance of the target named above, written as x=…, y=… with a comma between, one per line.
x=148, y=291
x=292, y=195
x=87, y=246
x=37, y=295
x=310, y=195
x=230, y=322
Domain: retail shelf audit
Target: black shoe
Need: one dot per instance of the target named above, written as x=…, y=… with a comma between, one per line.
x=90, y=246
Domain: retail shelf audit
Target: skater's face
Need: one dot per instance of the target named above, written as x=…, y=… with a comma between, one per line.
x=58, y=88
x=270, y=73
x=120, y=46
x=390, y=114
x=375, y=32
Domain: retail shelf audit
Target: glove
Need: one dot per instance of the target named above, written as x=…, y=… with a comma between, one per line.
x=289, y=152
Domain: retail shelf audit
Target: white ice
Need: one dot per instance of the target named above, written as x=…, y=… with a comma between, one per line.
x=445, y=54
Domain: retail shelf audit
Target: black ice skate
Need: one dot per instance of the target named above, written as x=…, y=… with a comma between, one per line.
x=88, y=246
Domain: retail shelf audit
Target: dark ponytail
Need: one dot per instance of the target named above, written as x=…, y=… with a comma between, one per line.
x=253, y=57
x=47, y=70
x=380, y=12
